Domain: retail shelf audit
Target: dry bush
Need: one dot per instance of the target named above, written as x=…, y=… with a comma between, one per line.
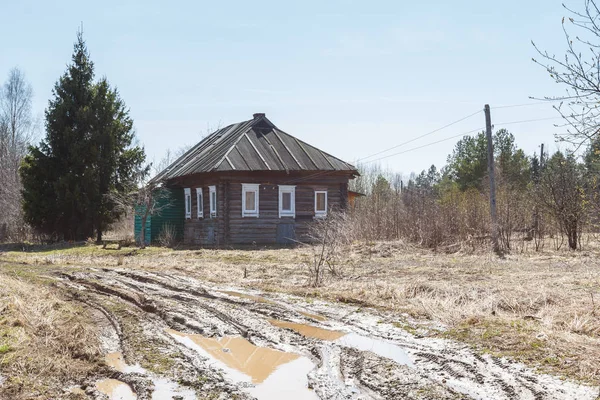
x=122, y=229
x=328, y=236
x=45, y=342
x=167, y=236
x=444, y=217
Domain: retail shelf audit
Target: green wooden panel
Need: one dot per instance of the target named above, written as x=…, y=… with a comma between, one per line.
x=173, y=214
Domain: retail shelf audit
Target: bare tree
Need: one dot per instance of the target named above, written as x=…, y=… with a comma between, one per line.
x=579, y=72
x=150, y=199
x=562, y=192
x=16, y=132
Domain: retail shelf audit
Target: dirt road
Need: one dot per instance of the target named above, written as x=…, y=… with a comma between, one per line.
x=166, y=336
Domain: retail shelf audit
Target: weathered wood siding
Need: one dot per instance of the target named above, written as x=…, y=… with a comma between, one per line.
x=229, y=227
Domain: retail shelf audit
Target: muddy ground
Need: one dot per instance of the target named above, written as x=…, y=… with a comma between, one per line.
x=184, y=338
x=186, y=325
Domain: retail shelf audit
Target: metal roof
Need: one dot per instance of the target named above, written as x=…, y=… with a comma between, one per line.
x=253, y=145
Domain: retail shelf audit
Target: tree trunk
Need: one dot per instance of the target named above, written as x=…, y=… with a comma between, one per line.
x=142, y=238
x=99, y=236
x=572, y=235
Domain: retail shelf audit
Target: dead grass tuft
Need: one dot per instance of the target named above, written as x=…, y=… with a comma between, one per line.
x=47, y=343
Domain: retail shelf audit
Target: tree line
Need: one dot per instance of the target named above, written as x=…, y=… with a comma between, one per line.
x=540, y=198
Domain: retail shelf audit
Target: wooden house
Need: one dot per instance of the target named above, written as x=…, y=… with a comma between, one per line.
x=251, y=182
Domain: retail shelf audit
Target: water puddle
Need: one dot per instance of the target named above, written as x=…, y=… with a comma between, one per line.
x=115, y=360
x=308, y=330
x=378, y=346
x=274, y=374
x=163, y=388
x=256, y=299
x=115, y=389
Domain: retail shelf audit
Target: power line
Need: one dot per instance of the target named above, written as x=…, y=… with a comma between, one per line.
x=526, y=104
x=320, y=173
x=422, y=136
x=526, y=120
x=425, y=145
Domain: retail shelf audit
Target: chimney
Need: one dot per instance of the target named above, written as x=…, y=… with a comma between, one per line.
x=258, y=115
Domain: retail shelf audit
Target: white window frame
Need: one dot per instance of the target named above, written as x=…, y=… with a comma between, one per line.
x=213, y=203
x=200, y=202
x=320, y=213
x=287, y=189
x=188, y=202
x=250, y=187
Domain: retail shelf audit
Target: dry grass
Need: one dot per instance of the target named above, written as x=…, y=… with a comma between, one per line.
x=46, y=343
x=540, y=308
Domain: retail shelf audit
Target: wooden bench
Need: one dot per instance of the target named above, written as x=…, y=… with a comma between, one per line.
x=118, y=242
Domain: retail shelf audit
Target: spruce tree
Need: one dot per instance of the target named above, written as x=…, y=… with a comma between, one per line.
x=86, y=155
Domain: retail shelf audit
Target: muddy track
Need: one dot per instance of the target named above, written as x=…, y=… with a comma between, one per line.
x=339, y=351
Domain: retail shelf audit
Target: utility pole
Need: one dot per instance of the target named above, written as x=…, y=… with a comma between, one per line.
x=492, y=177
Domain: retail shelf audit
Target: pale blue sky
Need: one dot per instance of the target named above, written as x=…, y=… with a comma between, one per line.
x=350, y=77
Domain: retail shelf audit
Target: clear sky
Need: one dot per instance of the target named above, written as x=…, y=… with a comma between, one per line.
x=350, y=77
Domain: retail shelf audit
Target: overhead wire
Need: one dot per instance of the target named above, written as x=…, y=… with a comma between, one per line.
x=421, y=136
x=526, y=104
x=321, y=173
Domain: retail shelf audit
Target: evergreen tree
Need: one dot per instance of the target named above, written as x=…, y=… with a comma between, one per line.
x=467, y=165
x=87, y=154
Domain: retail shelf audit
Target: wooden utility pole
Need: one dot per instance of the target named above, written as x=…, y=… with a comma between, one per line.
x=492, y=177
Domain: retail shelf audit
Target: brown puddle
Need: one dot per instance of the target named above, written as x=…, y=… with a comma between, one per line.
x=241, y=355
x=308, y=330
x=363, y=343
x=257, y=299
x=115, y=389
x=115, y=360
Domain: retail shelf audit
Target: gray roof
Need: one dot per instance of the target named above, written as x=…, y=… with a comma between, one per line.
x=253, y=145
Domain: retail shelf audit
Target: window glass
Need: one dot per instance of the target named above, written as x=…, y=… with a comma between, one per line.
x=250, y=201
x=199, y=202
x=286, y=201
x=213, y=200
x=321, y=201
x=188, y=202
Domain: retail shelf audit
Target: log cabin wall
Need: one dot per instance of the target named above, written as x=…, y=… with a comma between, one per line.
x=229, y=227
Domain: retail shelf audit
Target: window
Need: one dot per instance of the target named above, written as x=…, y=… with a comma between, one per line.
x=287, y=201
x=188, y=202
x=212, y=191
x=200, y=202
x=320, y=203
x=250, y=200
